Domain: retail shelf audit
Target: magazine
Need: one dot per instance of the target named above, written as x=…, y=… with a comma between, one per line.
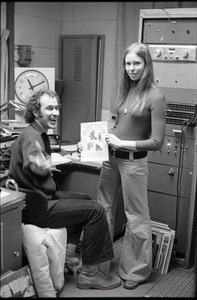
x=95, y=147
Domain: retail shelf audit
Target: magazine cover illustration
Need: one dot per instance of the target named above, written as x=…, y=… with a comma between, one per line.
x=95, y=147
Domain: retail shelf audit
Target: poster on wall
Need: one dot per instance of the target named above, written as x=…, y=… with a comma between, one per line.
x=95, y=147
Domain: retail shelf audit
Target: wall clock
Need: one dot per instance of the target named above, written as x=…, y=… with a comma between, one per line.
x=29, y=80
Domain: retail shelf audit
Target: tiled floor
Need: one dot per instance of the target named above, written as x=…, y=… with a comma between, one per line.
x=177, y=283
x=70, y=290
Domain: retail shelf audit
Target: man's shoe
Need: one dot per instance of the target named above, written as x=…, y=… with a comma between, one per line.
x=91, y=278
x=131, y=285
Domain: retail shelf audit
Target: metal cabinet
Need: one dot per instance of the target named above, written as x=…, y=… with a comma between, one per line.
x=171, y=37
x=11, y=235
x=81, y=69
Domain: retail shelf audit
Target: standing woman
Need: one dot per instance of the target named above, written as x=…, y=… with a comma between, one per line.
x=139, y=127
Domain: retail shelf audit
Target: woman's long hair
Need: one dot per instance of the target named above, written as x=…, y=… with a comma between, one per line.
x=146, y=81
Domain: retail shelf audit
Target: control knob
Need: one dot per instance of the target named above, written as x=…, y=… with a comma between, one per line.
x=184, y=53
x=158, y=52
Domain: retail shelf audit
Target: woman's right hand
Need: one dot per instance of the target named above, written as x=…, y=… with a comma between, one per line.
x=79, y=147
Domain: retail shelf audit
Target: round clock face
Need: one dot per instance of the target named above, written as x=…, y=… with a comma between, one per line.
x=29, y=81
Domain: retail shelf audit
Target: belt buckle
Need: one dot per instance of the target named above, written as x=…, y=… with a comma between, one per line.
x=113, y=152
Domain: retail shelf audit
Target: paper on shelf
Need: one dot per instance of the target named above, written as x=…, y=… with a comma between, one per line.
x=73, y=156
x=58, y=159
x=69, y=148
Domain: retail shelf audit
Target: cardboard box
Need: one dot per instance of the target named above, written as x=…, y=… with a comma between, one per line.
x=18, y=284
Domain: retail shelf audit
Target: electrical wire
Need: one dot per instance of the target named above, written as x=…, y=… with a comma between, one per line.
x=180, y=172
x=169, y=23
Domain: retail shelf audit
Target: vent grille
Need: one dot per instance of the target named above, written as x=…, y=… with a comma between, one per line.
x=78, y=63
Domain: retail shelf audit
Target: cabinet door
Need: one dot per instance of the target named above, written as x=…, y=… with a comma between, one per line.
x=11, y=239
x=81, y=71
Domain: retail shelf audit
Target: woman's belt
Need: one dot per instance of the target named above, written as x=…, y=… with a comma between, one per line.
x=126, y=154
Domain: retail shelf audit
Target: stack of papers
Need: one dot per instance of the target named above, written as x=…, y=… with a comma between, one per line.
x=13, y=125
x=164, y=242
x=69, y=148
x=73, y=156
x=58, y=159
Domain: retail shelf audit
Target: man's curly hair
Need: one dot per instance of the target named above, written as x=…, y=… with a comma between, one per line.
x=33, y=104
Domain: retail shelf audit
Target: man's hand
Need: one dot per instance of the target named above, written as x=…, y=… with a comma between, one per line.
x=39, y=159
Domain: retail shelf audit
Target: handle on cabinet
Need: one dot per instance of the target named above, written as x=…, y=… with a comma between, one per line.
x=171, y=172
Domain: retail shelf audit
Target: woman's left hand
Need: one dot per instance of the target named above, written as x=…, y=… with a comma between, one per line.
x=112, y=140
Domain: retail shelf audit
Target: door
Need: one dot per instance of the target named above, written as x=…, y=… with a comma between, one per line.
x=81, y=65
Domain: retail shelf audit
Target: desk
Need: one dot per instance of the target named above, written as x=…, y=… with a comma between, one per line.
x=83, y=177
x=80, y=177
x=11, y=231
